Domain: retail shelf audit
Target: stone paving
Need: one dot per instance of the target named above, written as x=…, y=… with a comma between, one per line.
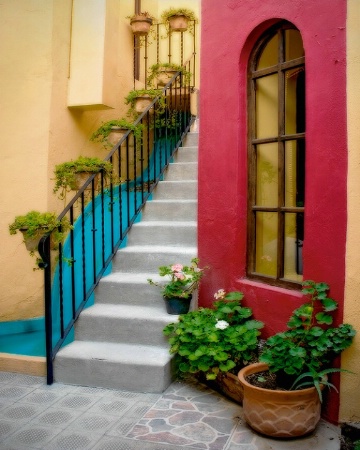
x=187, y=415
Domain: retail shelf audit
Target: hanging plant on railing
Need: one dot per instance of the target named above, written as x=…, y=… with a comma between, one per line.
x=34, y=225
x=179, y=19
x=141, y=23
x=161, y=73
x=140, y=99
x=71, y=175
x=120, y=127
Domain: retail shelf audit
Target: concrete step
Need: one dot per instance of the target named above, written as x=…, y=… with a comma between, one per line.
x=181, y=171
x=138, y=368
x=176, y=190
x=178, y=210
x=186, y=154
x=148, y=258
x=124, y=324
x=127, y=288
x=192, y=139
x=163, y=233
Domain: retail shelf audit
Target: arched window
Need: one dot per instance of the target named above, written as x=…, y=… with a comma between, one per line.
x=277, y=157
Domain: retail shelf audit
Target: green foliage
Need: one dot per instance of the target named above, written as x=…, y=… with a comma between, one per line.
x=357, y=445
x=310, y=344
x=102, y=133
x=65, y=173
x=35, y=224
x=155, y=69
x=133, y=95
x=214, y=340
x=144, y=14
x=165, y=16
x=183, y=280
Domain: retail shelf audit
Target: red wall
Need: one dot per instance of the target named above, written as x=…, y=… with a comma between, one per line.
x=230, y=29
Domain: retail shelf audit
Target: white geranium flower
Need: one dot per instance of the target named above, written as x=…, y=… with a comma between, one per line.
x=221, y=324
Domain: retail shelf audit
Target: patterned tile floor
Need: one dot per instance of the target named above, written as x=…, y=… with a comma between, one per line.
x=187, y=415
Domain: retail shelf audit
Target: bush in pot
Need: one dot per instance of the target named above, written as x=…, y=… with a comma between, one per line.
x=179, y=19
x=34, y=225
x=140, y=99
x=183, y=281
x=66, y=174
x=214, y=343
x=103, y=132
x=163, y=72
x=301, y=357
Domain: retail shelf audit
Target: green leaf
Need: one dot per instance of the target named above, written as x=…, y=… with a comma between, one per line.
x=323, y=318
x=329, y=304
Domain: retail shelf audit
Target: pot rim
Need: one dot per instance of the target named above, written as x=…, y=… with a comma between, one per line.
x=262, y=367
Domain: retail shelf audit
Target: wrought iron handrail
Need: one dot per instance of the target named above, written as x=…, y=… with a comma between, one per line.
x=102, y=212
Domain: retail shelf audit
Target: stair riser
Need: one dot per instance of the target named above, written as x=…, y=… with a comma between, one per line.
x=128, y=294
x=186, y=154
x=109, y=374
x=148, y=262
x=169, y=211
x=192, y=139
x=121, y=330
x=163, y=235
x=176, y=190
x=181, y=171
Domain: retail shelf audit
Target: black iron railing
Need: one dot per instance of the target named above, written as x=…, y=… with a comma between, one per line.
x=104, y=209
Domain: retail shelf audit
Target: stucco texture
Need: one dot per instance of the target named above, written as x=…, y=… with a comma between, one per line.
x=230, y=31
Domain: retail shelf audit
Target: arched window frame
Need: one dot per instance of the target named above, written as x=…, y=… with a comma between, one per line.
x=299, y=137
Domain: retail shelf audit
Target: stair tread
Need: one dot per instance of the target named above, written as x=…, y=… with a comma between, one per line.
x=129, y=312
x=167, y=223
x=175, y=200
x=117, y=352
x=158, y=249
x=131, y=277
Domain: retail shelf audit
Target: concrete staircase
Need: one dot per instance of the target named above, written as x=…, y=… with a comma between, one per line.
x=119, y=341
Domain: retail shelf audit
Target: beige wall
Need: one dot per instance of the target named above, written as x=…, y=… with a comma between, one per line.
x=41, y=59
x=350, y=386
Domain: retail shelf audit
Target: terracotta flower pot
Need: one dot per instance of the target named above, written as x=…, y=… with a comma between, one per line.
x=81, y=177
x=140, y=25
x=230, y=385
x=142, y=103
x=165, y=75
x=178, y=23
x=278, y=413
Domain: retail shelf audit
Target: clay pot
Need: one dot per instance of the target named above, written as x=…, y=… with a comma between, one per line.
x=276, y=413
x=178, y=23
x=81, y=177
x=230, y=386
x=140, y=25
x=165, y=75
x=142, y=103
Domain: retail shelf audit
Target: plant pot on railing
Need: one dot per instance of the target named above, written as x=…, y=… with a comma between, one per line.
x=161, y=73
x=110, y=132
x=34, y=225
x=71, y=175
x=141, y=24
x=140, y=99
x=179, y=19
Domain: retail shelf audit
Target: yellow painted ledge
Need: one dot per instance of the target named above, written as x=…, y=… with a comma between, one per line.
x=29, y=365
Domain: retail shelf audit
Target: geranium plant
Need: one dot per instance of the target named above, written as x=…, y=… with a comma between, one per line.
x=214, y=340
x=303, y=354
x=183, y=280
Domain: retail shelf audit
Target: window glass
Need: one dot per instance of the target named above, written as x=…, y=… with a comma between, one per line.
x=269, y=55
x=266, y=107
x=267, y=175
x=266, y=243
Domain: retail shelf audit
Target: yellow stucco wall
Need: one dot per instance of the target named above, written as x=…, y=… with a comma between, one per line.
x=38, y=129
x=350, y=385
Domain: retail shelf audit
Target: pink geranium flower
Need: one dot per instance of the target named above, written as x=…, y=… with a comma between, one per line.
x=177, y=267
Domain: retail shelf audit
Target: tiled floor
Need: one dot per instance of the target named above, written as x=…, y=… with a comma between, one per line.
x=187, y=415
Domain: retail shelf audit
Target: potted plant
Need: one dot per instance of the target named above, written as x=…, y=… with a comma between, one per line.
x=179, y=19
x=183, y=281
x=140, y=99
x=71, y=175
x=161, y=73
x=109, y=133
x=34, y=225
x=216, y=342
x=141, y=23
x=298, y=360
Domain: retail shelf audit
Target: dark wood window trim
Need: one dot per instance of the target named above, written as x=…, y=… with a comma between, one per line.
x=281, y=140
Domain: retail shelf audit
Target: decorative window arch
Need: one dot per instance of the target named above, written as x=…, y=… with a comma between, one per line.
x=276, y=157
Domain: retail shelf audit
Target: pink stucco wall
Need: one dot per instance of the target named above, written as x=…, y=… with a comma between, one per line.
x=230, y=29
